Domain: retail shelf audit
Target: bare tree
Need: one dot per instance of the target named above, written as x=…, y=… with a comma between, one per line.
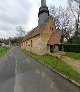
x=21, y=31
x=61, y=18
x=76, y=12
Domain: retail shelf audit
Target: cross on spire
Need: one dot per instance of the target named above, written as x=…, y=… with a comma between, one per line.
x=43, y=2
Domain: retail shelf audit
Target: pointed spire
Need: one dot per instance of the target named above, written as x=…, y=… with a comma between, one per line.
x=43, y=2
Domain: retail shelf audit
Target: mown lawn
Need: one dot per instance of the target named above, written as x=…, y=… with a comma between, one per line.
x=3, y=50
x=73, y=55
x=58, y=65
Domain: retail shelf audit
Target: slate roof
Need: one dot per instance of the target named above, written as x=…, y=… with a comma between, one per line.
x=34, y=32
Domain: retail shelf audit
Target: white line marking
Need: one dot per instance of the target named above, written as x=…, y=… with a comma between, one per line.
x=16, y=65
x=52, y=85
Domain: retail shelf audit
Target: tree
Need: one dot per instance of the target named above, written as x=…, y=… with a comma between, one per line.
x=61, y=18
x=20, y=31
x=76, y=12
x=55, y=13
x=68, y=18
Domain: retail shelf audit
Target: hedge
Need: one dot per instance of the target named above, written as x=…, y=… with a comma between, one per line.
x=72, y=48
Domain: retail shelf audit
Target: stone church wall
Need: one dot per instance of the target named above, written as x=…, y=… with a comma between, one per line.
x=34, y=47
x=38, y=44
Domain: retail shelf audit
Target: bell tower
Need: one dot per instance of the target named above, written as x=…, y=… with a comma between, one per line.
x=43, y=2
x=43, y=14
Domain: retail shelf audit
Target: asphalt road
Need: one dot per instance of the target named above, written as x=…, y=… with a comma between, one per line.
x=20, y=73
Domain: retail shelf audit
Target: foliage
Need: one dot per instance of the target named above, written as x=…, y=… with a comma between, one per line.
x=16, y=40
x=72, y=48
x=13, y=41
x=73, y=55
x=58, y=65
x=74, y=39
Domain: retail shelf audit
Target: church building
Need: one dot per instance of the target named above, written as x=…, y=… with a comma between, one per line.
x=43, y=39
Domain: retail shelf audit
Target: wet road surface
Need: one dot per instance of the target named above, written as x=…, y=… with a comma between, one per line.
x=21, y=73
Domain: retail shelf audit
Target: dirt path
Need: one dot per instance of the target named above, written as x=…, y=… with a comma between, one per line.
x=70, y=61
x=74, y=63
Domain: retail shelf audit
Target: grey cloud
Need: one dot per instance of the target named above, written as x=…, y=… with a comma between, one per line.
x=13, y=13
x=17, y=13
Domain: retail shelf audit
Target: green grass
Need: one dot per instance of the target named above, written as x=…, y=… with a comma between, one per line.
x=58, y=65
x=3, y=50
x=73, y=55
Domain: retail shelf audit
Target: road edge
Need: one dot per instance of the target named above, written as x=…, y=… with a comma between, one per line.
x=70, y=80
x=7, y=52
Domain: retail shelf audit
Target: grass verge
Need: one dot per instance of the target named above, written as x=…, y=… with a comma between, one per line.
x=57, y=65
x=3, y=50
x=73, y=55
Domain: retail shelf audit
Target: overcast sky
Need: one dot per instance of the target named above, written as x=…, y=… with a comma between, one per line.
x=24, y=13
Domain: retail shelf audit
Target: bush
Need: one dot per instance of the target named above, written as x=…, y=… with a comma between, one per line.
x=72, y=48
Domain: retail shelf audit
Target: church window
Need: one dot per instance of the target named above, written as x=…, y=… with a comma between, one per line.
x=50, y=28
x=26, y=43
x=31, y=43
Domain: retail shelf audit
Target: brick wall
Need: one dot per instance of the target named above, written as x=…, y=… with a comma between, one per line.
x=39, y=43
x=48, y=30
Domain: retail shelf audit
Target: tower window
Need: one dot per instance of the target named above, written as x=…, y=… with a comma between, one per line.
x=52, y=29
